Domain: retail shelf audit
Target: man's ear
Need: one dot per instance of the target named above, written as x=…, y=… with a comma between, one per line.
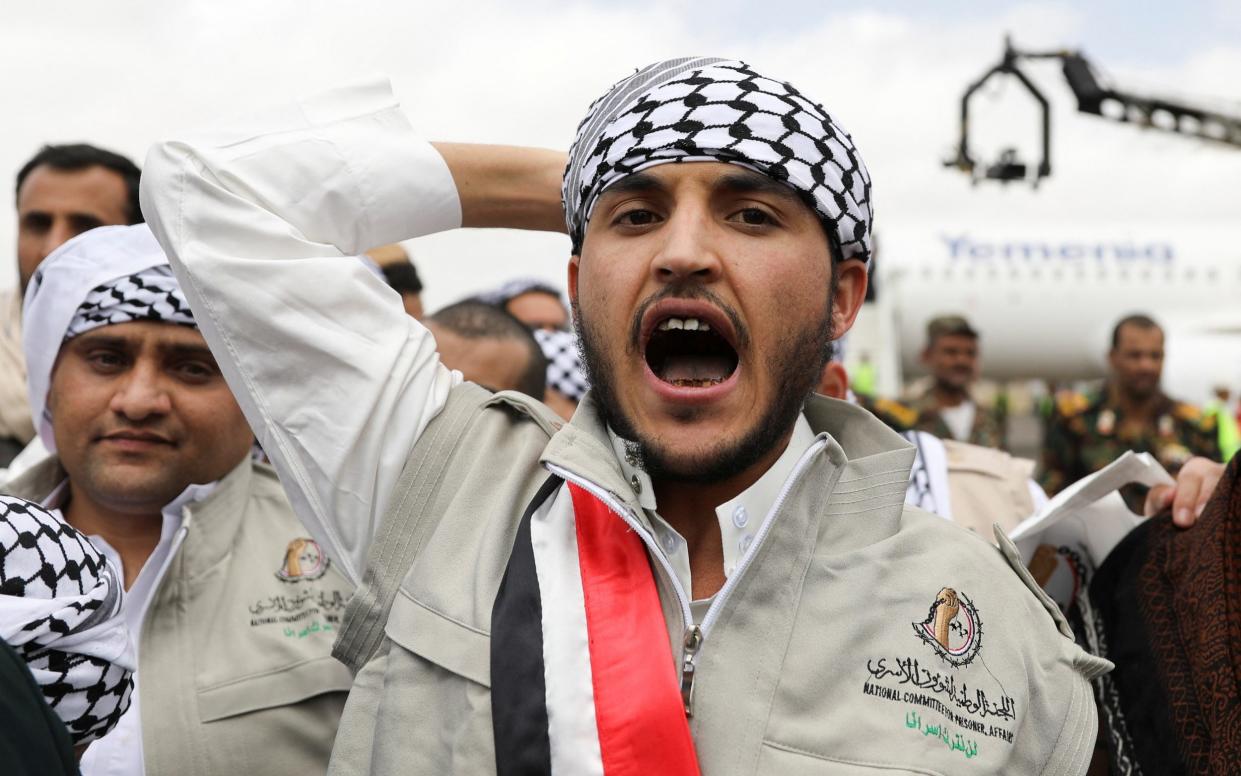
x=834, y=380
x=574, y=266
x=851, y=281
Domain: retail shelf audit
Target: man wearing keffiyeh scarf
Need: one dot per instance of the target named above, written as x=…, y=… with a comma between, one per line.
x=708, y=569
x=150, y=457
x=791, y=177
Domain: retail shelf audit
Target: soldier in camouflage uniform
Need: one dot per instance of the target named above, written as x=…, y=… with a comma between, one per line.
x=989, y=428
x=1086, y=433
x=951, y=356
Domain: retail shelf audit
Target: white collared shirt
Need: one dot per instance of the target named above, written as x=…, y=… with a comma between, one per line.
x=739, y=518
x=960, y=419
x=119, y=753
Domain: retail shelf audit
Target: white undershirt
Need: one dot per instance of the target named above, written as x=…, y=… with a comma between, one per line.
x=960, y=419
x=119, y=753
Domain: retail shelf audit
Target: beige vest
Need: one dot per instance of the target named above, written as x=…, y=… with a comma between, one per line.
x=987, y=486
x=824, y=660
x=235, y=669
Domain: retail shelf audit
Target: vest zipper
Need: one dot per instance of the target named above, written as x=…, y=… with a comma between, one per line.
x=693, y=641
x=695, y=635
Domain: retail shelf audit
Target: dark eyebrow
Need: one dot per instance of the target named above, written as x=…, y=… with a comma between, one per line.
x=196, y=351
x=637, y=183
x=748, y=182
x=99, y=339
x=740, y=181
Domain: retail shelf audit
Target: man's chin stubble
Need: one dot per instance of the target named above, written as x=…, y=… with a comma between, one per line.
x=795, y=375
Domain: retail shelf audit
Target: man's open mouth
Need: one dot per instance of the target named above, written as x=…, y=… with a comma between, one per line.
x=690, y=352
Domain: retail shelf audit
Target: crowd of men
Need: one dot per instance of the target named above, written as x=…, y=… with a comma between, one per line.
x=264, y=514
x=1083, y=431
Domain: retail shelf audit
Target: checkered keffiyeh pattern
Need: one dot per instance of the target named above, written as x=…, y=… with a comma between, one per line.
x=564, y=364
x=150, y=295
x=515, y=288
x=60, y=609
x=710, y=109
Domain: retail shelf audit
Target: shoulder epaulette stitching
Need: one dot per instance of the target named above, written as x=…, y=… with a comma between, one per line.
x=1072, y=403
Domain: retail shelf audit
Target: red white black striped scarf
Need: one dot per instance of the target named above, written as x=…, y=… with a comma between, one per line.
x=582, y=676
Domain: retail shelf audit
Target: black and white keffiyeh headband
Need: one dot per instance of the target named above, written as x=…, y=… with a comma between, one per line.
x=150, y=295
x=711, y=109
x=515, y=288
x=60, y=609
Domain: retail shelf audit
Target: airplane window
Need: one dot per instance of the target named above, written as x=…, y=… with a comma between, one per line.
x=1146, y=274
x=1190, y=273
x=1123, y=275
x=1212, y=275
x=927, y=272
x=1056, y=274
x=1035, y=274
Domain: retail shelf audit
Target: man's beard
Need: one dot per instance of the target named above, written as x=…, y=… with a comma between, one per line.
x=796, y=366
x=1141, y=390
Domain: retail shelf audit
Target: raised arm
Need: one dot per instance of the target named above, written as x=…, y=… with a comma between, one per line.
x=335, y=379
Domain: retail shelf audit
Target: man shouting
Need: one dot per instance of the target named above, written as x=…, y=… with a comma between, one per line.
x=707, y=570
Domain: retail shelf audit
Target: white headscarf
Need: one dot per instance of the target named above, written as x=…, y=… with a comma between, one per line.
x=112, y=274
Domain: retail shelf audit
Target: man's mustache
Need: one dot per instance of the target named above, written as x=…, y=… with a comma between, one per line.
x=686, y=291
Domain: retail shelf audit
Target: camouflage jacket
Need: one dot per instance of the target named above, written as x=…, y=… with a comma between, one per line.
x=989, y=427
x=1086, y=433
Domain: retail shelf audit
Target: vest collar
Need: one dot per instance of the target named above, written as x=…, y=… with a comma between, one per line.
x=873, y=458
x=214, y=522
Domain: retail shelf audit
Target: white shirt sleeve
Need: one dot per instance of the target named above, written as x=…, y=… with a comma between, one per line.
x=335, y=379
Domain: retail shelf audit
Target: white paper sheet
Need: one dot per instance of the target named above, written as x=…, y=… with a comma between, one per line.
x=1090, y=513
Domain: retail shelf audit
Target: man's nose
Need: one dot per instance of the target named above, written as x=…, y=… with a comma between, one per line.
x=142, y=394
x=690, y=250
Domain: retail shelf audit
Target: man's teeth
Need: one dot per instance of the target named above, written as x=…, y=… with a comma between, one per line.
x=687, y=324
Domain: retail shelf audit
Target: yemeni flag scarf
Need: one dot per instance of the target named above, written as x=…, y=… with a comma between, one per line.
x=583, y=680
x=1167, y=605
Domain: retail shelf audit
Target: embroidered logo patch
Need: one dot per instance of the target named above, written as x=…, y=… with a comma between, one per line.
x=952, y=627
x=304, y=559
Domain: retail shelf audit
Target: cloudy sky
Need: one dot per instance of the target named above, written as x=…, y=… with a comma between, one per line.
x=126, y=72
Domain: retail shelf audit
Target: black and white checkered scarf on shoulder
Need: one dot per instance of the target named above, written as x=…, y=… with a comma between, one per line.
x=60, y=609
x=150, y=295
x=564, y=365
x=711, y=109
